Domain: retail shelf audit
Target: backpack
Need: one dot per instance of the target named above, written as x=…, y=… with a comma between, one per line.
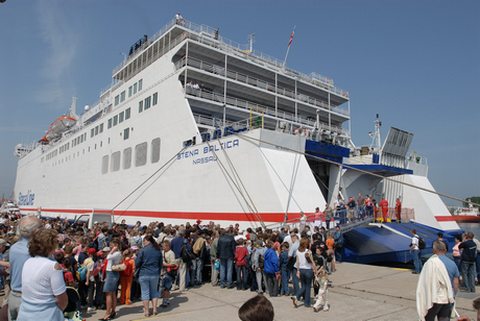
x=186, y=254
x=261, y=261
x=82, y=273
x=198, y=246
x=291, y=262
x=421, y=243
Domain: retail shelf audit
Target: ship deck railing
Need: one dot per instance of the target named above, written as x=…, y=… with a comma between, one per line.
x=237, y=49
x=264, y=110
x=213, y=122
x=262, y=84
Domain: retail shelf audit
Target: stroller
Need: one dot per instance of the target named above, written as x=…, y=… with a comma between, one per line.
x=72, y=311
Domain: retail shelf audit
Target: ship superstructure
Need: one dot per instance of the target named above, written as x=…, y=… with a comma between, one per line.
x=224, y=120
x=197, y=127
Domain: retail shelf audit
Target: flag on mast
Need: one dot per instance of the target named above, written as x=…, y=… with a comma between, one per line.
x=291, y=37
x=288, y=47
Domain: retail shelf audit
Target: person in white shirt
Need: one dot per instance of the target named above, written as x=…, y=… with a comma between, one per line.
x=415, y=250
x=44, y=294
x=168, y=273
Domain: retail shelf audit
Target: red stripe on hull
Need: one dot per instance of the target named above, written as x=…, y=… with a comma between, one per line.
x=458, y=218
x=211, y=216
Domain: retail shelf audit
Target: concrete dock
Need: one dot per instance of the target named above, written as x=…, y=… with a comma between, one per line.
x=360, y=292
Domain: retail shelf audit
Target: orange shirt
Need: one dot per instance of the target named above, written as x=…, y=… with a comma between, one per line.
x=330, y=243
x=128, y=272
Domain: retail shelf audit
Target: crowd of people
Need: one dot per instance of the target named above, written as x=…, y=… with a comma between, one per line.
x=445, y=274
x=357, y=209
x=56, y=268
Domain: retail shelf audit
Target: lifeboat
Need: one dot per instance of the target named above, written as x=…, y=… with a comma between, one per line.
x=58, y=127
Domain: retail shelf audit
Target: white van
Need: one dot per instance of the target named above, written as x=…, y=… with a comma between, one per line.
x=96, y=216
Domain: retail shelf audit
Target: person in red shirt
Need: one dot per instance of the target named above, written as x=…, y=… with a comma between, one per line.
x=241, y=264
x=398, y=210
x=384, y=206
x=126, y=277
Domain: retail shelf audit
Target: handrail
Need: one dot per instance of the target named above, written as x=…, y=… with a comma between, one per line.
x=250, y=106
x=220, y=70
x=209, y=36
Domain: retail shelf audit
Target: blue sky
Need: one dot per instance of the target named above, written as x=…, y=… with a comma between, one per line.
x=416, y=63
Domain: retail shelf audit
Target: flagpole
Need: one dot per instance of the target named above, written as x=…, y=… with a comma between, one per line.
x=288, y=48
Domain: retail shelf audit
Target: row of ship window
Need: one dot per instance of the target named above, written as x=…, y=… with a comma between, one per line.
x=147, y=102
x=112, y=162
x=80, y=139
x=96, y=130
x=119, y=118
x=144, y=104
x=132, y=90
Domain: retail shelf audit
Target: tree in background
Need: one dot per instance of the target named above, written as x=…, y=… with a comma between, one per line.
x=473, y=199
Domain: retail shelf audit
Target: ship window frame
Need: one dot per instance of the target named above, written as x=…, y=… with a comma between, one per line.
x=148, y=103
x=117, y=99
x=127, y=113
x=110, y=123
x=96, y=130
x=115, y=161
x=92, y=132
x=121, y=117
x=155, y=150
x=105, y=164
x=140, y=106
x=129, y=91
x=115, y=120
x=126, y=133
x=141, y=151
x=140, y=85
x=127, y=158
x=134, y=88
x=122, y=96
x=154, y=99
x=100, y=128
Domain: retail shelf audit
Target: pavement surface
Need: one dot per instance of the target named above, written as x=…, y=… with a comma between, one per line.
x=360, y=292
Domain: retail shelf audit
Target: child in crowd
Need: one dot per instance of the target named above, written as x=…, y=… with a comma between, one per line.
x=126, y=277
x=321, y=281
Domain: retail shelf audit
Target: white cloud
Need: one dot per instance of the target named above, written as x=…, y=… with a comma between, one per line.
x=62, y=43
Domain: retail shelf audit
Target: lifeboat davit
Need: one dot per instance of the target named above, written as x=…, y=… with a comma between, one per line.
x=58, y=127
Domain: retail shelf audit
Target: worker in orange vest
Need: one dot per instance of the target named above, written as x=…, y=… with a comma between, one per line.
x=384, y=206
x=398, y=210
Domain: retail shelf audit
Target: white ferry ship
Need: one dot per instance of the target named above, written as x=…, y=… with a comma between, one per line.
x=197, y=127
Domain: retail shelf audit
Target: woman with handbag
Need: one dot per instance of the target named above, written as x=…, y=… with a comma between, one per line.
x=148, y=264
x=114, y=258
x=305, y=267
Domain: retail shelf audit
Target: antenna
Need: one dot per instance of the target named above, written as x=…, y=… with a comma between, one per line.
x=73, y=108
x=251, y=40
x=375, y=135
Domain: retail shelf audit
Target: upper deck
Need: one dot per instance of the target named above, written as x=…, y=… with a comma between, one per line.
x=178, y=30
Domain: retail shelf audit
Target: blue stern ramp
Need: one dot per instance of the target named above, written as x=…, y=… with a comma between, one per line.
x=389, y=242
